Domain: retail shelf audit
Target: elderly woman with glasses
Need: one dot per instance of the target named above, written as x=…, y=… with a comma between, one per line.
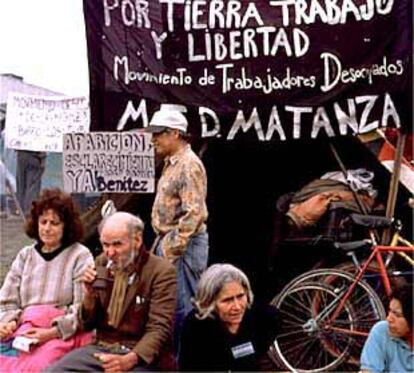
x=225, y=331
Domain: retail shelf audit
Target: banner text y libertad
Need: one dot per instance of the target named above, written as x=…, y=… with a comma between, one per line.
x=247, y=34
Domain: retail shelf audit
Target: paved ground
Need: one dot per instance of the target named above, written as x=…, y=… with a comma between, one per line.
x=12, y=239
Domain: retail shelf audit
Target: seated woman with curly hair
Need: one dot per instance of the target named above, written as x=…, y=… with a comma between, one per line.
x=42, y=291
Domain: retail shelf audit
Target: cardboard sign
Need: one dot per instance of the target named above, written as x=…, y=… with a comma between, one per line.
x=121, y=162
x=38, y=123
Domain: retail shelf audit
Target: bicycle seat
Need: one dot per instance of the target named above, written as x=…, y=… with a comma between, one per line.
x=371, y=221
x=353, y=245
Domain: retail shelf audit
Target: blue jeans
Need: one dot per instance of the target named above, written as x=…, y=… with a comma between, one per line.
x=189, y=268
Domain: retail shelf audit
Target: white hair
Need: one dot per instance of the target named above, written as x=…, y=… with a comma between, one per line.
x=212, y=282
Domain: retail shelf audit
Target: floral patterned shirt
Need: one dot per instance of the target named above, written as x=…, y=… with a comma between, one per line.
x=180, y=209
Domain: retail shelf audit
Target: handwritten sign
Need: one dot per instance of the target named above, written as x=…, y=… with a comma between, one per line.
x=38, y=123
x=108, y=162
x=262, y=70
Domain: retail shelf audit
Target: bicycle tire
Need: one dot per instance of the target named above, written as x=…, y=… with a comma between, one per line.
x=299, y=343
x=363, y=305
x=372, y=312
x=327, y=275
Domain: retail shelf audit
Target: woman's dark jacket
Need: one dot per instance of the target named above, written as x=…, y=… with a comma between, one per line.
x=206, y=345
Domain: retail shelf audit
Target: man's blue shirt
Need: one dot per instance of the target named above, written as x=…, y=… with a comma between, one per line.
x=383, y=353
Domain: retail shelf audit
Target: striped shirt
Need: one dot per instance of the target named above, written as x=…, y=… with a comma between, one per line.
x=180, y=209
x=32, y=280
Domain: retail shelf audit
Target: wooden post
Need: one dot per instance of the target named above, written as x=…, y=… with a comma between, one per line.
x=393, y=189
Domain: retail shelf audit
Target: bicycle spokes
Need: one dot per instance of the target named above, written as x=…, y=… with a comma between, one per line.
x=310, y=339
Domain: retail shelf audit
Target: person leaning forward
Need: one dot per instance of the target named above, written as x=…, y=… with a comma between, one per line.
x=179, y=212
x=390, y=343
x=129, y=300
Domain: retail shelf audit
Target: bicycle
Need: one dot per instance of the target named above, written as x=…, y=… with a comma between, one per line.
x=326, y=314
x=372, y=274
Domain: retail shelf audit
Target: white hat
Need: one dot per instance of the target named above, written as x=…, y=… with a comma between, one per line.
x=169, y=116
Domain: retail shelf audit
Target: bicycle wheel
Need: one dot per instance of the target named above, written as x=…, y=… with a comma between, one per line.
x=342, y=279
x=301, y=335
x=309, y=342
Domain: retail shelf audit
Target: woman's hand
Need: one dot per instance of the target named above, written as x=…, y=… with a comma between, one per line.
x=7, y=329
x=42, y=334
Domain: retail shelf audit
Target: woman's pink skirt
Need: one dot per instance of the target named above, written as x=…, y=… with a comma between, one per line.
x=47, y=353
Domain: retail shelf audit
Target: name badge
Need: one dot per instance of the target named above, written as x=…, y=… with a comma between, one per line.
x=242, y=350
x=139, y=300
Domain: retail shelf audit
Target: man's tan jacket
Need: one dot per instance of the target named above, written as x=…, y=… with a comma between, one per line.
x=147, y=316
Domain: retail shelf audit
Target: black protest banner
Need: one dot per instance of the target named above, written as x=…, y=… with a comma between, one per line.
x=266, y=70
x=118, y=162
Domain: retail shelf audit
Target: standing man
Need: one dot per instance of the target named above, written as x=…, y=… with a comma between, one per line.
x=29, y=170
x=129, y=300
x=179, y=212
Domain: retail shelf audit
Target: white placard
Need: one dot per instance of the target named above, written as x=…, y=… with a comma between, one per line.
x=38, y=123
x=118, y=162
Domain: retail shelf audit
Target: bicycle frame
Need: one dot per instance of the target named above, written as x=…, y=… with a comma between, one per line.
x=398, y=239
x=337, y=308
x=377, y=254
